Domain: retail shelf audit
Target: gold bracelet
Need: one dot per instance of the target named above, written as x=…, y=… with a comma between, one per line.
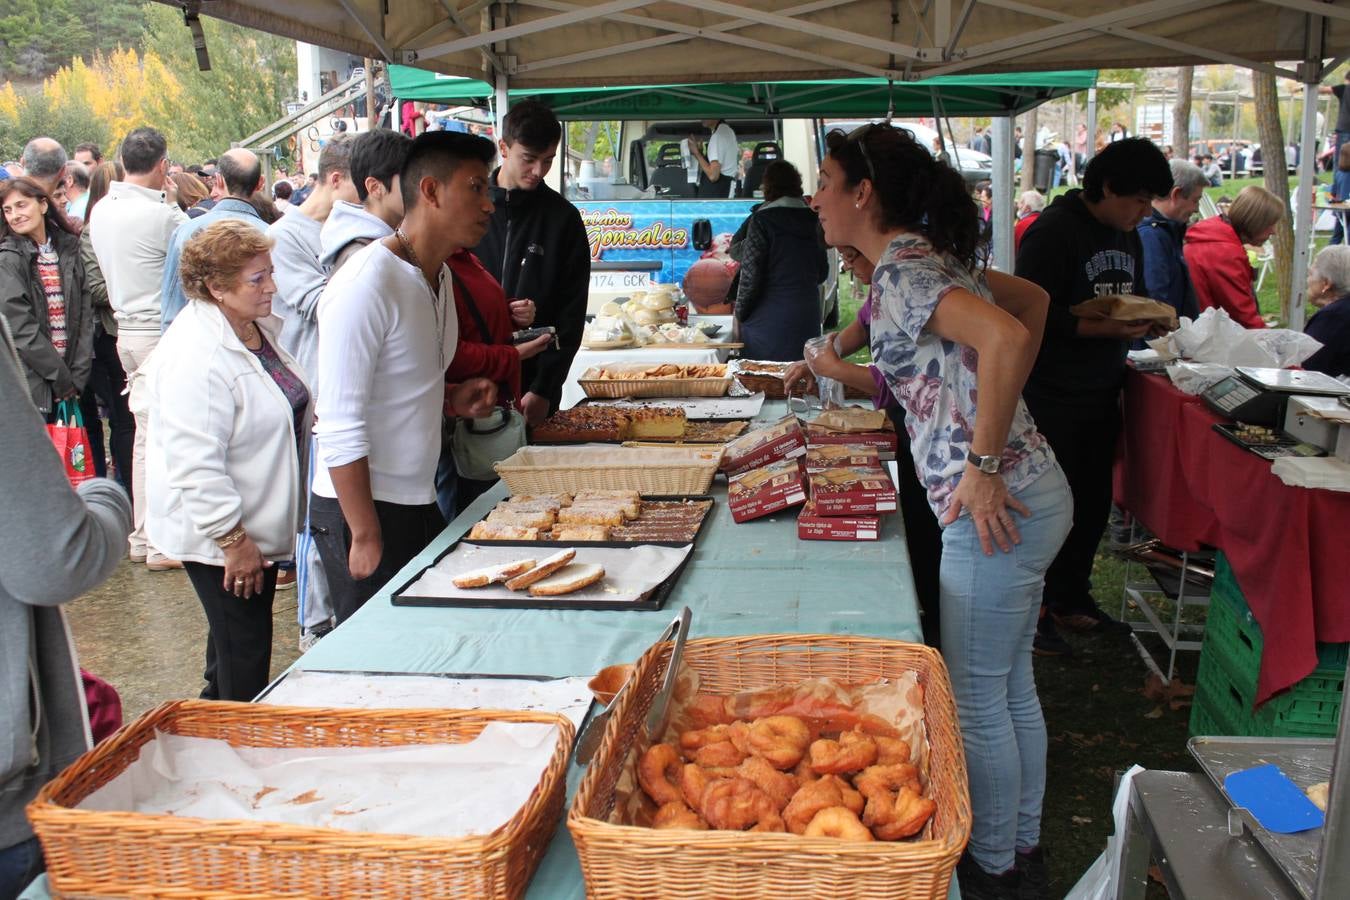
x=234, y=536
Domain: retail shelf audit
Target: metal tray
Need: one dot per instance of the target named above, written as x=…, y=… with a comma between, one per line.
x=1305, y=760
x=652, y=599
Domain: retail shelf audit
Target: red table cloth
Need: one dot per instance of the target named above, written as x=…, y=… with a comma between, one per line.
x=1190, y=486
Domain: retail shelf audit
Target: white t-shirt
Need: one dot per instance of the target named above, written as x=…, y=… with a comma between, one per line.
x=722, y=148
x=384, y=343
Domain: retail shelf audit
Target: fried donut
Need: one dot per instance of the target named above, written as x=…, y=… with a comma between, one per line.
x=677, y=815
x=739, y=734
x=657, y=771
x=771, y=823
x=853, y=752
x=805, y=774
x=780, y=786
x=875, y=779
x=736, y=804
x=811, y=799
x=702, y=737
x=693, y=781
x=891, y=751
x=852, y=799
x=837, y=822
x=782, y=740
x=718, y=754
x=907, y=816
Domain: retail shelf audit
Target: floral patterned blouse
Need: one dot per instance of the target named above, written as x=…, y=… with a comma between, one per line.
x=935, y=379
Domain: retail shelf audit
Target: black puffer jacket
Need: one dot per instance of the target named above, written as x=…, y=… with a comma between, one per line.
x=783, y=261
x=50, y=374
x=536, y=247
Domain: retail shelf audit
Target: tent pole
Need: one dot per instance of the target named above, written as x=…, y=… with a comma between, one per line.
x=1305, y=214
x=502, y=100
x=1091, y=126
x=1003, y=189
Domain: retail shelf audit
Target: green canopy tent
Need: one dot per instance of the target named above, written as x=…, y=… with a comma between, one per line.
x=845, y=98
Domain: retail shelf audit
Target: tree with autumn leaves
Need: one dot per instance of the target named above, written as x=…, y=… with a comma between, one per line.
x=102, y=98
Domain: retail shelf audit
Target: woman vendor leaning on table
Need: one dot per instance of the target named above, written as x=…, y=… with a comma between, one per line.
x=229, y=411
x=1329, y=291
x=955, y=344
x=1217, y=259
x=923, y=537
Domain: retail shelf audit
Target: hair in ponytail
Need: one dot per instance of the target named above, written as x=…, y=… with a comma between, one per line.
x=915, y=191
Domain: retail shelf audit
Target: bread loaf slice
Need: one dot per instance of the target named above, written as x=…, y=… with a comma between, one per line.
x=547, y=566
x=568, y=580
x=492, y=574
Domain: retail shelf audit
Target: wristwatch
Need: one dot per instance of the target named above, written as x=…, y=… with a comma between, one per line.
x=989, y=464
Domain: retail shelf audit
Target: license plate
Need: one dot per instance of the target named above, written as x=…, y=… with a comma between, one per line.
x=620, y=281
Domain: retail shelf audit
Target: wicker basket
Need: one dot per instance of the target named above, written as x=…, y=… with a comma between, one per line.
x=647, y=470
x=621, y=862
x=103, y=854
x=619, y=388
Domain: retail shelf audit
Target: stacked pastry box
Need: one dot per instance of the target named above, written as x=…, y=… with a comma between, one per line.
x=847, y=489
x=765, y=470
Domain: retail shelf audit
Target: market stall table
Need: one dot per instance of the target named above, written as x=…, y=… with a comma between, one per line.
x=572, y=394
x=754, y=578
x=1190, y=487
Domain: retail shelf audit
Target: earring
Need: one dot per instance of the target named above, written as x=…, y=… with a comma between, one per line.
x=857, y=206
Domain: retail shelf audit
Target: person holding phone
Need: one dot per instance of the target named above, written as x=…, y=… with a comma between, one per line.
x=536, y=248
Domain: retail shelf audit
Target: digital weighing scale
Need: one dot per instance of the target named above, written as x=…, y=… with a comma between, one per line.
x=1258, y=396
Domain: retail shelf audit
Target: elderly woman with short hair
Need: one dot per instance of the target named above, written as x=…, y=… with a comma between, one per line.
x=1216, y=254
x=230, y=411
x=1329, y=291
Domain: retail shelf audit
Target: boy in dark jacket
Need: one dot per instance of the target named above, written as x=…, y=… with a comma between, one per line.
x=536, y=247
x=1085, y=245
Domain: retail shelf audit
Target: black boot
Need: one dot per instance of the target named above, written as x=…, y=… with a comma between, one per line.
x=1035, y=883
x=977, y=884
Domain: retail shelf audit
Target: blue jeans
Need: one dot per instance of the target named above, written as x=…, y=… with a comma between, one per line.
x=19, y=865
x=989, y=609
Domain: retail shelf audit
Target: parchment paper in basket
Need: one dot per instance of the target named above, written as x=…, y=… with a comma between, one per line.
x=373, y=789
x=397, y=690
x=898, y=701
x=630, y=572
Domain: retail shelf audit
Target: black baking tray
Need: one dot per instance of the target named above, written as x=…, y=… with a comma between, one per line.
x=654, y=599
x=1284, y=446
x=698, y=532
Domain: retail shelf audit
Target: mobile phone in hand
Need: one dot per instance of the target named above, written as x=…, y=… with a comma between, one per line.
x=525, y=335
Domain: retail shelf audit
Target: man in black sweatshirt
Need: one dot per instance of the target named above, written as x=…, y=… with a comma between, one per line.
x=536, y=247
x=1085, y=245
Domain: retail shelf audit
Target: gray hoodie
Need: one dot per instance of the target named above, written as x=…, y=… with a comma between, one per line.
x=57, y=544
x=348, y=224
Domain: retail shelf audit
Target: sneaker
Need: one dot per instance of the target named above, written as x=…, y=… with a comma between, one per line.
x=311, y=636
x=162, y=564
x=285, y=579
x=977, y=884
x=1035, y=883
x=1047, y=642
x=1092, y=621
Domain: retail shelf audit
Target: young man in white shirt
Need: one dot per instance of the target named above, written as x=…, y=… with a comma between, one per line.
x=130, y=230
x=719, y=164
x=388, y=331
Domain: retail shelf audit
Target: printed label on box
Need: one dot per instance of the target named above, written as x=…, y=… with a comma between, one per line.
x=841, y=492
x=766, y=490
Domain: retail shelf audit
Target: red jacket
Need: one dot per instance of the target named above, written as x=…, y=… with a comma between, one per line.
x=1021, y=228
x=491, y=356
x=1221, y=272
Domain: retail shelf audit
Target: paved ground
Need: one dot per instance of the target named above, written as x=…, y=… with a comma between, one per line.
x=145, y=633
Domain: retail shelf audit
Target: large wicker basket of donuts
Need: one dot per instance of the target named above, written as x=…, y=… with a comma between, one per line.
x=811, y=765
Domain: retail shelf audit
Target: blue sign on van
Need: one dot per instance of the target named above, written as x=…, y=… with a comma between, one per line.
x=652, y=236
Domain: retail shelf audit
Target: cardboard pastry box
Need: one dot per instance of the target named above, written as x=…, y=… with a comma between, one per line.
x=783, y=439
x=833, y=456
x=884, y=440
x=812, y=526
x=853, y=491
x=760, y=492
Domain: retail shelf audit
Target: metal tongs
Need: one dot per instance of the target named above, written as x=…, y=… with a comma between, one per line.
x=659, y=715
